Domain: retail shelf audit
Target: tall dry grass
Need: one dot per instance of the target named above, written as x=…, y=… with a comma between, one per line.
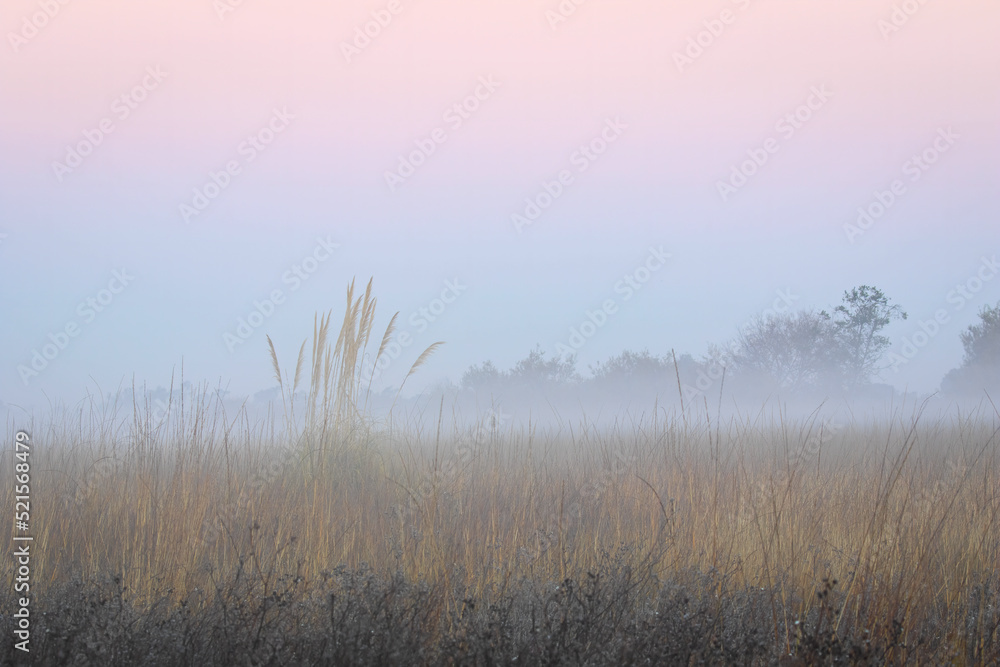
x=903, y=515
x=336, y=420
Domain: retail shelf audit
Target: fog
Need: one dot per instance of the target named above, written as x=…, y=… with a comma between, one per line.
x=181, y=182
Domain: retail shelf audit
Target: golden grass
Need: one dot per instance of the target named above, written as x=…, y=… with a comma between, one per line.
x=883, y=513
x=905, y=516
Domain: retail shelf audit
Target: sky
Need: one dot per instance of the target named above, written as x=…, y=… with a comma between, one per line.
x=180, y=179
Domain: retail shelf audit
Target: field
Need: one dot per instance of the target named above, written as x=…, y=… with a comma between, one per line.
x=324, y=536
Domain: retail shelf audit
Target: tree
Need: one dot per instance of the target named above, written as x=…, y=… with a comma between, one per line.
x=788, y=350
x=980, y=367
x=535, y=369
x=484, y=376
x=858, y=321
x=804, y=349
x=982, y=341
x=633, y=366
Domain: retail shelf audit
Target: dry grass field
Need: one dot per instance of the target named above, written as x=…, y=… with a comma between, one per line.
x=324, y=537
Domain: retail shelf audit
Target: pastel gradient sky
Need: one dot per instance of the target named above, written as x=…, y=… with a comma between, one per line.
x=891, y=94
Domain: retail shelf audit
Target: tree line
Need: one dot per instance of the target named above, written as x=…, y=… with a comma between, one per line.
x=840, y=351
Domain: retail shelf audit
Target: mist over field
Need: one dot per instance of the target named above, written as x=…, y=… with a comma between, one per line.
x=556, y=332
x=172, y=171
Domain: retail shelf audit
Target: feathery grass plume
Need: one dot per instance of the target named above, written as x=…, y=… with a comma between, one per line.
x=386, y=337
x=389, y=330
x=274, y=360
x=335, y=418
x=320, y=324
x=277, y=376
x=367, y=315
x=298, y=368
x=424, y=356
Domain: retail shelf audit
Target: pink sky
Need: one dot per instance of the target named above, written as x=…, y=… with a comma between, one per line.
x=558, y=87
x=608, y=58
